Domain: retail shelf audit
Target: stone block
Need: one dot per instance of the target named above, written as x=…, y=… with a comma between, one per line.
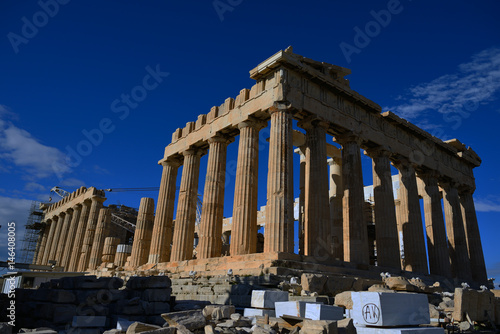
x=319, y=327
x=313, y=282
x=346, y=326
x=192, y=320
x=390, y=309
x=164, y=330
x=64, y=313
x=323, y=312
x=258, y=312
x=296, y=309
x=405, y=330
x=202, y=119
x=267, y=298
x=362, y=284
x=62, y=296
x=344, y=299
x=140, y=327
x=151, y=308
x=123, y=324
x=102, y=283
x=151, y=282
x=335, y=285
x=218, y=312
x=156, y=295
x=88, y=321
x=312, y=299
x=479, y=305
x=399, y=283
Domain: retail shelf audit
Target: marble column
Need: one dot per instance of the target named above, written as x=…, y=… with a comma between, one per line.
x=43, y=242
x=79, y=235
x=183, y=240
x=244, y=233
x=302, y=198
x=50, y=239
x=162, y=229
x=212, y=214
x=109, y=249
x=55, y=238
x=68, y=245
x=457, y=242
x=143, y=233
x=386, y=226
x=317, y=227
x=475, y=248
x=336, y=210
x=355, y=229
x=278, y=232
x=101, y=232
x=63, y=237
x=415, y=256
x=437, y=247
x=88, y=239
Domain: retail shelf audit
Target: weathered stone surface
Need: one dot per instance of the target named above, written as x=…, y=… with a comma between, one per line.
x=140, y=327
x=151, y=282
x=254, y=312
x=164, y=330
x=335, y=284
x=379, y=288
x=362, y=284
x=319, y=327
x=344, y=299
x=267, y=298
x=313, y=282
x=156, y=295
x=479, y=305
x=88, y=321
x=296, y=308
x=390, y=309
x=346, y=326
x=399, y=283
x=323, y=312
x=192, y=320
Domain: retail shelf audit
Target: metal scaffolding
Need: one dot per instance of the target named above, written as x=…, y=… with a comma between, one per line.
x=34, y=226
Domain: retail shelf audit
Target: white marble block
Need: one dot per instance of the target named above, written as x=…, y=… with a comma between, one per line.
x=323, y=312
x=267, y=298
x=390, y=309
x=405, y=330
x=254, y=312
x=294, y=308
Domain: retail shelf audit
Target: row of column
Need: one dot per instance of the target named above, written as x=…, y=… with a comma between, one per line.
x=323, y=229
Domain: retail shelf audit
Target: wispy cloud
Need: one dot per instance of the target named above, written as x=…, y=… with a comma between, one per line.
x=20, y=148
x=487, y=204
x=34, y=187
x=474, y=83
x=16, y=210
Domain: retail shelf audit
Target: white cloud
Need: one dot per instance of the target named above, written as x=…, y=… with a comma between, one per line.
x=34, y=187
x=72, y=183
x=487, y=205
x=20, y=148
x=475, y=83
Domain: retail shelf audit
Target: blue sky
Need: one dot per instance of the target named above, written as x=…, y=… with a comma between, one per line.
x=66, y=74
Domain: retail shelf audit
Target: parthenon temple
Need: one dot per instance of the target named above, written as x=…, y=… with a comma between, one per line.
x=426, y=226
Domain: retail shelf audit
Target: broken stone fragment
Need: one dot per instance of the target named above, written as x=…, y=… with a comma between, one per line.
x=344, y=299
x=139, y=327
x=192, y=320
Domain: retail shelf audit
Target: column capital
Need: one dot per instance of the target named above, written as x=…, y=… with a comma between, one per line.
x=312, y=122
x=447, y=183
x=69, y=211
x=378, y=151
x=219, y=138
x=255, y=123
x=466, y=189
x=334, y=161
x=62, y=214
x=349, y=137
x=400, y=161
x=98, y=199
x=171, y=161
x=194, y=151
x=425, y=174
x=275, y=108
x=77, y=207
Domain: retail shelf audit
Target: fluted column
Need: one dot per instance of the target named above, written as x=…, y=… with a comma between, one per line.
x=457, y=243
x=336, y=194
x=63, y=237
x=50, y=238
x=88, y=238
x=109, y=249
x=278, y=233
x=212, y=212
x=55, y=238
x=68, y=245
x=43, y=242
x=415, y=257
x=182, y=244
x=386, y=226
x=79, y=235
x=437, y=247
x=473, y=237
x=355, y=229
x=244, y=233
x=162, y=229
x=101, y=233
x=143, y=233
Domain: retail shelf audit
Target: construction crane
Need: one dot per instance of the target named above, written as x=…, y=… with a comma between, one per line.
x=58, y=191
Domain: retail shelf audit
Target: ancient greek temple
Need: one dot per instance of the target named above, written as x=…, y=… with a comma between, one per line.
x=429, y=227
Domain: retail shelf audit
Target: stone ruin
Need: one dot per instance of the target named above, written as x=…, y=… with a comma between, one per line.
x=334, y=217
